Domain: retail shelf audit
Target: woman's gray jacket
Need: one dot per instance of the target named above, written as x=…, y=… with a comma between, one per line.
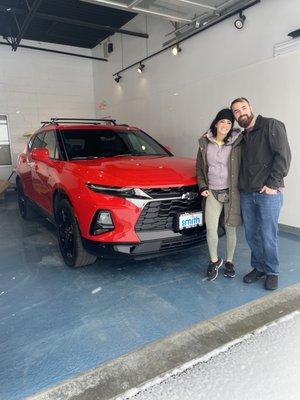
x=233, y=215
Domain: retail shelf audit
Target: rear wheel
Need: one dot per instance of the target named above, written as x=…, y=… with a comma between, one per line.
x=69, y=238
x=25, y=209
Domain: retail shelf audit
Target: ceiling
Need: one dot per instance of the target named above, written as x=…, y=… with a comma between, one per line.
x=67, y=22
x=86, y=23
x=173, y=10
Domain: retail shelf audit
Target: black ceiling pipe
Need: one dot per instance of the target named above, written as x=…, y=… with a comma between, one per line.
x=29, y=17
x=55, y=51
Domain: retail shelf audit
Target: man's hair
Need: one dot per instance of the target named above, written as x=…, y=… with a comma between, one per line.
x=239, y=100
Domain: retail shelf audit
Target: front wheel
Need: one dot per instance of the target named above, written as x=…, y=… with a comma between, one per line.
x=69, y=238
x=25, y=209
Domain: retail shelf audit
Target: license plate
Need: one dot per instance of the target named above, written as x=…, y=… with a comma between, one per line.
x=190, y=220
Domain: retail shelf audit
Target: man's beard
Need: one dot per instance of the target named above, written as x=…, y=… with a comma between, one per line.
x=245, y=122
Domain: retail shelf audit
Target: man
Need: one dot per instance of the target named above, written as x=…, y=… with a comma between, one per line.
x=265, y=162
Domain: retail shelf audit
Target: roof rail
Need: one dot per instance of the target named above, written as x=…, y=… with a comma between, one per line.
x=81, y=120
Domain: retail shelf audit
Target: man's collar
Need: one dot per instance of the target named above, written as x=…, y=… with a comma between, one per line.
x=256, y=125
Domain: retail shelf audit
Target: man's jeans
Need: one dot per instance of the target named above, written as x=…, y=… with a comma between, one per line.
x=260, y=214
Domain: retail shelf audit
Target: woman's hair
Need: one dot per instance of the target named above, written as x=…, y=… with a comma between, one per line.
x=213, y=129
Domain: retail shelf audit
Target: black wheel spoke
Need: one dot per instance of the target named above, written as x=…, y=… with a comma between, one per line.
x=22, y=202
x=69, y=237
x=66, y=234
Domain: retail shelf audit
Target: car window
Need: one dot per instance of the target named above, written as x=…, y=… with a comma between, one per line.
x=31, y=142
x=51, y=144
x=84, y=143
x=38, y=141
x=140, y=145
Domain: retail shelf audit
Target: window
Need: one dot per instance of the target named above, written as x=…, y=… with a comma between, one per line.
x=85, y=143
x=38, y=141
x=5, y=154
x=45, y=140
x=50, y=144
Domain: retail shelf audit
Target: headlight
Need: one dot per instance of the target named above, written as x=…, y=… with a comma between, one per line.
x=119, y=191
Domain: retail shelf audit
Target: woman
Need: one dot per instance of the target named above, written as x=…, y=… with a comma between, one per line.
x=218, y=163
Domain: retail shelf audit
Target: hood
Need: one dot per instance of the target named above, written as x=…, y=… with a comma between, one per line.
x=143, y=171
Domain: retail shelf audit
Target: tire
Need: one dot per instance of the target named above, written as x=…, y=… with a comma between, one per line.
x=25, y=208
x=69, y=237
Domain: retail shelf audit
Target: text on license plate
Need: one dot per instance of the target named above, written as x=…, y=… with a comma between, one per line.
x=190, y=220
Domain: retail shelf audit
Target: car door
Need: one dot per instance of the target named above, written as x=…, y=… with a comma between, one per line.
x=46, y=172
x=24, y=169
x=31, y=185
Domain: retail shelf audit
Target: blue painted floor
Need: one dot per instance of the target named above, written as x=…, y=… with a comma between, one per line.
x=56, y=322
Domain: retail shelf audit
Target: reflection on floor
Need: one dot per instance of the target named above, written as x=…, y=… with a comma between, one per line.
x=56, y=322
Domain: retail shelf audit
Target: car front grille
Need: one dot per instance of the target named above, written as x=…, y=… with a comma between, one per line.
x=160, y=215
x=160, y=193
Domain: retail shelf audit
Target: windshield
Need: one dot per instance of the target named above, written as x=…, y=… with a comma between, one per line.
x=89, y=144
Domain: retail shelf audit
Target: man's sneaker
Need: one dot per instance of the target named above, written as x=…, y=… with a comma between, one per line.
x=271, y=282
x=253, y=276
x=212, y=271
x=229, y=270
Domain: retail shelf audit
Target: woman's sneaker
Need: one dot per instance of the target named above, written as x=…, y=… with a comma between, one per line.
x=229, y=270
x=212, y=270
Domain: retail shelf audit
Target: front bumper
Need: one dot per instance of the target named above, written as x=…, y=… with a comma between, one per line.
x=152, y=245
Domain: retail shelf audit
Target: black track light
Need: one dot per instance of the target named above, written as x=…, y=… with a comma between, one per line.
x=176, y=49
x=117, y=78
x=140, y=68
x=239, y=23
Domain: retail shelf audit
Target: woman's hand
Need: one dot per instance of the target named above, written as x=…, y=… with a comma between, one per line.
x=205, y=193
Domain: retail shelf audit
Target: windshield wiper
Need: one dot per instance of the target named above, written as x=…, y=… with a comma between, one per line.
x=125, y=155
x=137, y=154
x=86, y=158
x=157, y=155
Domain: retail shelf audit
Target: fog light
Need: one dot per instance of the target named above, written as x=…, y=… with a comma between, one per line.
x=102, y=223
x=104, y=219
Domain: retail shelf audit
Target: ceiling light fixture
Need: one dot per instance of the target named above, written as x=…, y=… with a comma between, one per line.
x=239, y=23
x=140, y=68
x=176, y=49
x=117, y=78
x=294, y=34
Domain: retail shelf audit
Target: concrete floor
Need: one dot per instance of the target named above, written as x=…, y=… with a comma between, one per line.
x=258, y=367
x=57, y=322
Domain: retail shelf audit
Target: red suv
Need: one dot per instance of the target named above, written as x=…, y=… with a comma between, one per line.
x=110, y=189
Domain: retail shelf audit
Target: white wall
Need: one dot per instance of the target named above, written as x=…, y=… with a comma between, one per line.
x=36, y=85
x=177, y=97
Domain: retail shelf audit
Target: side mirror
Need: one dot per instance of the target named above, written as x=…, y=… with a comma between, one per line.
x=40, y=154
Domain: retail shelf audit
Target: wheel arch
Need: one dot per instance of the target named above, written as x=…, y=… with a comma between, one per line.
x=58, y=195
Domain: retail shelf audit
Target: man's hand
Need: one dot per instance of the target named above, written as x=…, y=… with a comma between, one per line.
x=268, y=190
x=205, y=193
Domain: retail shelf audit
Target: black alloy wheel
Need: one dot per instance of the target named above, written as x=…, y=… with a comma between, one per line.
x=24, y=207
x=69, y=237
